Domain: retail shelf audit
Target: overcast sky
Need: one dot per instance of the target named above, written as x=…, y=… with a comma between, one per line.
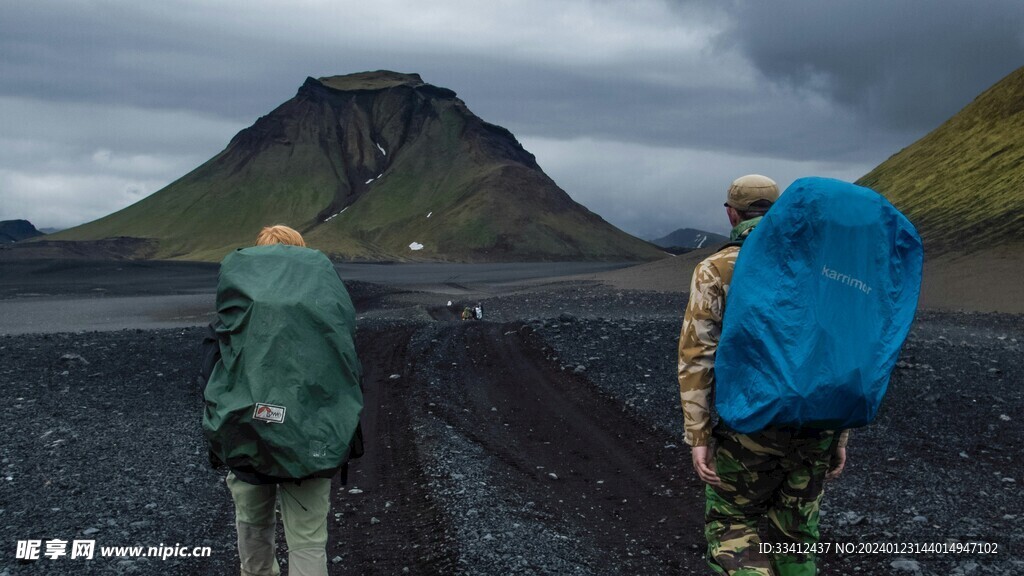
x=642, y=111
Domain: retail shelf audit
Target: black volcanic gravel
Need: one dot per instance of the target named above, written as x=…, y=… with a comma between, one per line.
x=101, y=436
x=102, y=442
x=941, y=464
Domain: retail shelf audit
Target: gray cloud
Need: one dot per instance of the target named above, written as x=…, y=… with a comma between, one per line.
x=677, y=92
x=906, y=65
x=62, y=163
x=741, y=119
x=651, y=191
x=105, y=102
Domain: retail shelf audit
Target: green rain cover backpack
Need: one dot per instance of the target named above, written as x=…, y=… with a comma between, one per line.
x=283, y=401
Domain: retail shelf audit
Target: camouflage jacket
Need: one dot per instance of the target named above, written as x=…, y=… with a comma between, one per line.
x=698, y=340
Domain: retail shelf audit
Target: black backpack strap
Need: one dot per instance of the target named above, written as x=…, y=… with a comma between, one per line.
x=209, y=355
x=357, y=449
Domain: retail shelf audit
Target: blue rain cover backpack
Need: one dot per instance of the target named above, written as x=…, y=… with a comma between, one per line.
x=821, y=300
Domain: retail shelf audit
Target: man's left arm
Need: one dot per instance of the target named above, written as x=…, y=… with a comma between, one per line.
x=837, y=462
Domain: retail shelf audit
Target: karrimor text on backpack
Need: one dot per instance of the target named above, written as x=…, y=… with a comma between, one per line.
x=821, y=300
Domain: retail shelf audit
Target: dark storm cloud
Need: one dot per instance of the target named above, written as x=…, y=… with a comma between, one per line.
x=640, y=110
x=613, y=106
x=139, y=56
x=143, y=55
x=907, y=65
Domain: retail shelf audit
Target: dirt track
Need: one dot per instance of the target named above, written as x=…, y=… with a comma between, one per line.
x=410, y=531
x=592, y=474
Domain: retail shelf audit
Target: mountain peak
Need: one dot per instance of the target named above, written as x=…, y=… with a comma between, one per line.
x=373, y=166
x=378, y=80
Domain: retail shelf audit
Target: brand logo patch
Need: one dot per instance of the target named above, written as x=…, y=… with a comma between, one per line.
x=269, y=413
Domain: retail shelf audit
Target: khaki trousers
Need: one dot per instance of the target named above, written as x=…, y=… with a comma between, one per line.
x=304, y=507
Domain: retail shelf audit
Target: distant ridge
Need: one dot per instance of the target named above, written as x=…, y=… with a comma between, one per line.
x=372, y=166
x=690, y=239
x=17, y=230
x=962, y=185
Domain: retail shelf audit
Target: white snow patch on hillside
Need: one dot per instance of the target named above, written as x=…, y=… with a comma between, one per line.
x=370, y=180
x=428, y=214
x=328, y=219
x=415, y=246
x=703, y=239
x=381, y=148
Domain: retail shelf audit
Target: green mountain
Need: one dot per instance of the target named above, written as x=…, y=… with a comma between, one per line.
x=962, y=185
x=372, y=166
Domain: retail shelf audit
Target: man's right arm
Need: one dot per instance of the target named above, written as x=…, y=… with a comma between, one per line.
x=698, y=342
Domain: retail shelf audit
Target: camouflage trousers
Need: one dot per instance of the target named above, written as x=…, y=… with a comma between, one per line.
x=777, y=475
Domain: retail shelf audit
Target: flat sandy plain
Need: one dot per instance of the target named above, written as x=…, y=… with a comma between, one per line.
x=46, y=296
x=545, y=439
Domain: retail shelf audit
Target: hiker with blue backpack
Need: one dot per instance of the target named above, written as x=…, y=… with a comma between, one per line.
x=819, y=305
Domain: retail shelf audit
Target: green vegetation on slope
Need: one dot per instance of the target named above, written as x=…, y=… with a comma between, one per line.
x=962, y=185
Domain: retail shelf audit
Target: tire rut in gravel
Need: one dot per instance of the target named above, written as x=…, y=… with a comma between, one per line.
x=610, y=480
x=387, y=521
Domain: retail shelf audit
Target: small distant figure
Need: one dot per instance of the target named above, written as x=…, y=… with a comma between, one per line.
x=467, y=313
x=478, y=312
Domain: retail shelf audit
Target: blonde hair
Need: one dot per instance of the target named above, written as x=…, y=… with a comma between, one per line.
x=279, y=234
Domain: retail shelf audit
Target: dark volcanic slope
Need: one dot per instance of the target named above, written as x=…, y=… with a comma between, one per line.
x=377, y=166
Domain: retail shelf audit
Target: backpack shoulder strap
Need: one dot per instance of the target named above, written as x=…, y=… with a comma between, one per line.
x=724, y=272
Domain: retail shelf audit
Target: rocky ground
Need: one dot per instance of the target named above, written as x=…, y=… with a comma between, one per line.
x=545, y=439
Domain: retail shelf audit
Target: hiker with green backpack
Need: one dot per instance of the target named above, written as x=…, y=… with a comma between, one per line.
x=283, y=396
x=820, y=300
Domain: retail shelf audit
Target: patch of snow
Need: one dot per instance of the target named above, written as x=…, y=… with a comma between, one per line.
x=703, y=239
x=370, y=180
x=328, y=219
x=379, y=147
x=428, y=214
x=415, y=246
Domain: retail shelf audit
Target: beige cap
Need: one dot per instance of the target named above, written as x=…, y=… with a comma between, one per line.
x=748, y=189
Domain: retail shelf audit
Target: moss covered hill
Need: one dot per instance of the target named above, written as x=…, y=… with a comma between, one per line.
x=962, y=185
x=373, y=166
